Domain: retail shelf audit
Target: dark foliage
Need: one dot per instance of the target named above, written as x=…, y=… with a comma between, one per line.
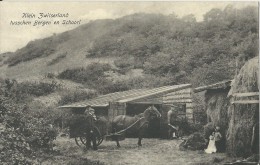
x=91, y=74
x=75, y=96
x=23, y=132
x=32, y=51
x=57, y=59
x=37, y=49
x=37, y=88
x=189, y=51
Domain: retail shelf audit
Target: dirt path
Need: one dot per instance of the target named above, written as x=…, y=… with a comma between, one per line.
x=153, y=152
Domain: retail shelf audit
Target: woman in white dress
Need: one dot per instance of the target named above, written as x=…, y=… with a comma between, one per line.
x=211, y=147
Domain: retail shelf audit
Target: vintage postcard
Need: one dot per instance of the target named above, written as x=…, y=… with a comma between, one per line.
x=129, y=83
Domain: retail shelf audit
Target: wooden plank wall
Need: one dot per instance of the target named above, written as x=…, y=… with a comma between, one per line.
x=181, y=96
x=116, y=109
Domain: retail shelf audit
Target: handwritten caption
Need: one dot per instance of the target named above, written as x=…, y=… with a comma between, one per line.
x=44, y=19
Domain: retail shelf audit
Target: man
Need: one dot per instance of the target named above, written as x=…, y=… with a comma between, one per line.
x=172, y=130
x=90, y=112
x=91, y=136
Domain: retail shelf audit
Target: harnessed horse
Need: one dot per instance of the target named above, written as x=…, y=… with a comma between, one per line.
x=137, y=123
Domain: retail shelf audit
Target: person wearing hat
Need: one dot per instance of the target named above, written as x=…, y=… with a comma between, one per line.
x=172, y=130
x=90, y=112
x=91, y=137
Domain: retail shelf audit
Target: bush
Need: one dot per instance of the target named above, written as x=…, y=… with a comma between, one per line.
x=111, y=87
x=123, y=63
x=57, y=59
x=50, y=75
x=35, y=49
x=75, y=96
x=23, y=132
x=89, y=75
x=37, y=88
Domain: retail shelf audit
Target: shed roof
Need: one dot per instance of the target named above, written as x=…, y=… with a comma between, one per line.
x=219, y=85
x=126, y=96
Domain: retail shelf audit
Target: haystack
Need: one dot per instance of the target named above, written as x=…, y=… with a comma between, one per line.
x=216, y=103
x=242, y=135
x=217, y=107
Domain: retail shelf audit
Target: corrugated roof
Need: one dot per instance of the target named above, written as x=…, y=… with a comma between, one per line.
x=126, y=96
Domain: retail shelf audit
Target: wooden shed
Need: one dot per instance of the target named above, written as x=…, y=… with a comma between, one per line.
x=135, y=101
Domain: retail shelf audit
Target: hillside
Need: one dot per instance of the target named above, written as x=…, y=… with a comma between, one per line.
x=36, y=58
x=148, y=49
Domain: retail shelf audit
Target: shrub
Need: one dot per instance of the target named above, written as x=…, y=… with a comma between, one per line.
x=57, y=59
x=107, y=86
x=91, y=74
x=35, y=49
x=75, y=96
x=37, y=88
x=23, y=134
x=50, y=75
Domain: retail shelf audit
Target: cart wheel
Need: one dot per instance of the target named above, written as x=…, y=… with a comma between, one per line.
x=83, y=140
x=78, y=141
x=100, y=140
x=98, y=135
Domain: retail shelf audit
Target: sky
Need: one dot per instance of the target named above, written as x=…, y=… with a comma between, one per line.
x=13, y=37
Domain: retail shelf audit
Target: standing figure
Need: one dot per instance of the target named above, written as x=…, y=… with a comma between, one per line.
x=211, y=146
x=172, y=130
x=218, y=138
x=90, y=126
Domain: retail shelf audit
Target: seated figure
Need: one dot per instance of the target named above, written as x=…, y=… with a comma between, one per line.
x=211, y=146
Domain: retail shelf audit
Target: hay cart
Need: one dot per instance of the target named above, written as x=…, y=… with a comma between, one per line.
x=80, y=137
x=100, y=129
x=78, y=132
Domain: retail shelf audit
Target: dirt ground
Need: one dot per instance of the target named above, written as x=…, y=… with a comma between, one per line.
x=153, y=152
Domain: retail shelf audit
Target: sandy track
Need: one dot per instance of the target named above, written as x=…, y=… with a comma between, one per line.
x=153, y=152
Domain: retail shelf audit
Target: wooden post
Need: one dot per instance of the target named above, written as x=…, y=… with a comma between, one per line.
x=236, y=66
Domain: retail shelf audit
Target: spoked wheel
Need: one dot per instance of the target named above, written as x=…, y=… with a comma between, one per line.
x=78, y=141
x=98, y=136
x=82, y=141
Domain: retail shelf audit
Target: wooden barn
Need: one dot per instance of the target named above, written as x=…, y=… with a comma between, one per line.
x=135, y=101
x=216, y=102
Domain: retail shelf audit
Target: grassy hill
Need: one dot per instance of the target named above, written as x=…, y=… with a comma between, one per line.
x=141, y=50
x=70, y=47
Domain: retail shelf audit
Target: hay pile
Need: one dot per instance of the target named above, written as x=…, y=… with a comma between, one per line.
x=194, y=142
x=243, y=117
x=217, y=107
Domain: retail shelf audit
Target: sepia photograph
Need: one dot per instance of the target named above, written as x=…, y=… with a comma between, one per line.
x=129, y=83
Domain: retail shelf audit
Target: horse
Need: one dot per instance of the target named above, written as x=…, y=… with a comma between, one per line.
x=137, y=123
